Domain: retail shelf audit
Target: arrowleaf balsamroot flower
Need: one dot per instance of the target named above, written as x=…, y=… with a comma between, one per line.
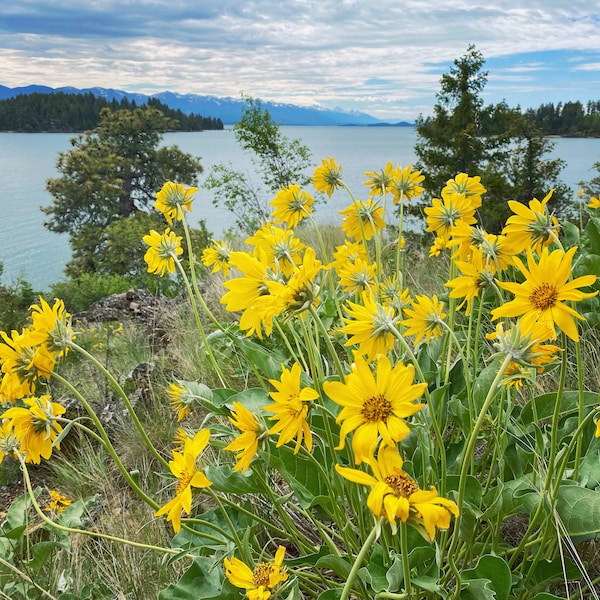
x=163, y=249
x=291, y=408
x=396, y=495
x=51, y=327
x=405, y=183
x=260, y=581
x=445, y=213
x=181, y=400
x=35, y=427
x=593, y=204
x=173, y=199
x=328, y=177
x=58, y=503
x=217, y=256
x=531, y=227
x=185, y=469
x=291, y=205
x=362, y=220
x=370, y=325
x=374, y=405
x=379, y=181
x=471, y=187
x=244, y=445
x=425, y=318
x=542, y=297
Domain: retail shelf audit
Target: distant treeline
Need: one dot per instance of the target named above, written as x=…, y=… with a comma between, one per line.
x=571, y=119
x=61, y=112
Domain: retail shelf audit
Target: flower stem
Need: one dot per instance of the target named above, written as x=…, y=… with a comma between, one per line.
x=358, y=561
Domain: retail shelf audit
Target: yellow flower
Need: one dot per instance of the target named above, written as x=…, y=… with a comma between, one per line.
x=328, y=177
x=532, y=227
x=277, y=247
x=396, y=495
x=181, y=400
x=23, y=364
x=392, y=295
x=36, y=427
x=260, y=581
x=217, y=257
x=446, y=212
x=291, y=205
x=593, y=204
x=173, y=199
x=371, y=325
x=439, y=244
x=245, y=444
x=183, y=466
x=405, y=183
x=362, y=220
x=542, y=297
x=471, y=187
x=58, y=503
x=379, y=181
x=163, y=250
x=291, y=408
x=358, y=276
x=9, y=444
x=51, y=327
x=375, y=406
x=347, y=254
x=526, y=348
x=598, y=428
x=477, y=275
x=425, y=318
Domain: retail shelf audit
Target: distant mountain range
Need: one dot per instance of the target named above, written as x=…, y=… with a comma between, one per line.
x=228, y=110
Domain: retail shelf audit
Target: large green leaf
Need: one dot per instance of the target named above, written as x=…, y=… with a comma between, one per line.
x=543, y=406
x=579, y=510
x=491, y=569
x=202, y=580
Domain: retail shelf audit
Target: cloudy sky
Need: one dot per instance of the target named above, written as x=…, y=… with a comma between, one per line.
x=383, y=57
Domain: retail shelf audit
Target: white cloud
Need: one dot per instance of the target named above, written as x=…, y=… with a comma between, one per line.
x=301, y=51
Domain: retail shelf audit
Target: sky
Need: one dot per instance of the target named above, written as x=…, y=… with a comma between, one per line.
x=381, y=57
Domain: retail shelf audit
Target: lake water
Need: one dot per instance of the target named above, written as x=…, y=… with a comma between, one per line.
x=28, y=249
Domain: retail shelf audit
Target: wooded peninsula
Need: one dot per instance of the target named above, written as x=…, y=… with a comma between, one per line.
x=66, y=113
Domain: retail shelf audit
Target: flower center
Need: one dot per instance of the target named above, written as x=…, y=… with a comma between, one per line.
x=183, y=483
x=544, y=296
x=402, y=484
x=376, y=408
x=262, y=575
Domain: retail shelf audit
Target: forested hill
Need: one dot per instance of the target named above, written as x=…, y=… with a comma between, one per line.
x=61, y=112
x=569, y=119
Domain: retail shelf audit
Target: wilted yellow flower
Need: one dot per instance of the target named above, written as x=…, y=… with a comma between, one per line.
x=291, y=205
x=291, y=408
x=396, y=495
x=244, y=445
x=173, y=199
x=328, y=177
x=185, y=469
x=36, y=427
x=425, y=318
x=374, y=406
x=362, y=220
x=259, y=582
x=542, y=297
x=163, y=249
x=531, y=227
x=217, y=256
x=181, y=400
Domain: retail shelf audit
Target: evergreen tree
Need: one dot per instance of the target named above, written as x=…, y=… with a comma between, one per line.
x=110, y=173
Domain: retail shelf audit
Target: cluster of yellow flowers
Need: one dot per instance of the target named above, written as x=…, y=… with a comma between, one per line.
x=27, y=361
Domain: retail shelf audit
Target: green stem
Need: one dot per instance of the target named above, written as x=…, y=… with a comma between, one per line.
x=121, y=393
x=405, y=562
x=362, y=555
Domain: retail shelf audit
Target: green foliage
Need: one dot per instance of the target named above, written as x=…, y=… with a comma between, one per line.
x=279, y=162
x=495, y=142
x=62, y=112
x=111, y=173
x=15, y=299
